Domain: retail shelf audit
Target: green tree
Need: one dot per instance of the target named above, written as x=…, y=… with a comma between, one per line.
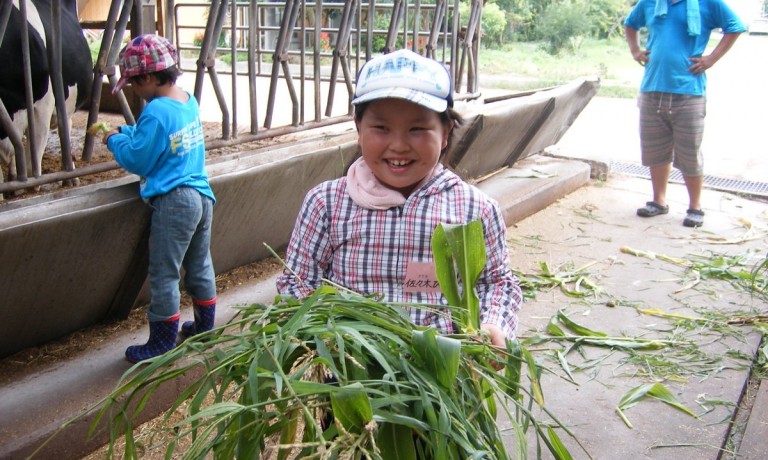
x=564, y=25
x=524, y=17
x=493, y=23
x=607, y=17
x=521, y=17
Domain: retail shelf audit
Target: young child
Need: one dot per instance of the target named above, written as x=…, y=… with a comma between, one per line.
x=371, y=231
x=166, y=148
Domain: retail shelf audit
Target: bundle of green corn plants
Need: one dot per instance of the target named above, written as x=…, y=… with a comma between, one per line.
x=340, y=375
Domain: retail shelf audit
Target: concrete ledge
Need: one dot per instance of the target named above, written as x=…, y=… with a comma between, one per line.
x=36, y=406
x=533, y=184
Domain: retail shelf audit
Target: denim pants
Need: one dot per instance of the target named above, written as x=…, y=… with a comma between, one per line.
x=180, y=236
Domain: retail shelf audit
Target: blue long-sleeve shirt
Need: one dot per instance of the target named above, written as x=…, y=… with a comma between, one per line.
x=166, y=148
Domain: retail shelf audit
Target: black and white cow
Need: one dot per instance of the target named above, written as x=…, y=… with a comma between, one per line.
x=76, y=70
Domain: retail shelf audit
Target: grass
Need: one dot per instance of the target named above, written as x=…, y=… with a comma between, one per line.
x=525, y=65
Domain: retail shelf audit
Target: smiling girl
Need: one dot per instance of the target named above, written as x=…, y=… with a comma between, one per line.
x=371, y=231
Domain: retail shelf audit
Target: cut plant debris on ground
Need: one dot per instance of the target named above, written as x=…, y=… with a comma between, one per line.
x=648, y=334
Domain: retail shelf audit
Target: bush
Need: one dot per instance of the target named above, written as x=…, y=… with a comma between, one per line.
x=607, y=17
x=564, y=25
x=492, y=24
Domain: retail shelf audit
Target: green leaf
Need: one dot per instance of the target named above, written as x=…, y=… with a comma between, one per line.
x=352, y=407
x=395, y=442
x=444, y=267
x=655, y=390
x=466, y=245
x=553, y=328
x=564, y=364
x=513, y=368
x=661, y=393
x=579, y=329
x=533, y=374
x=440, y=354
x=560, y=451
x=288, y=434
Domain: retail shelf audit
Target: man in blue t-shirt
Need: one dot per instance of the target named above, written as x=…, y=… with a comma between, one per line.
x=672, y=97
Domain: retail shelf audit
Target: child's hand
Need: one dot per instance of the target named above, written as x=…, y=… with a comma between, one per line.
x=497, y=338
x=495, y=334
x=107, y=134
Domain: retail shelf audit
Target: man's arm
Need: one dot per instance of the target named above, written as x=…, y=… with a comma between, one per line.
x=641, y=56
x=701, y=64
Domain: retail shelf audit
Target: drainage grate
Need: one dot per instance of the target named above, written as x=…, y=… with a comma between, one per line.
x=718, y=183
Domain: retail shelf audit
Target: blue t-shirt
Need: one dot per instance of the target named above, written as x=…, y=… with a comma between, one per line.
x=671, y=47
x=166, y=147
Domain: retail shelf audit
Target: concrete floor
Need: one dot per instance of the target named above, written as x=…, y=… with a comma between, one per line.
x=588, y=228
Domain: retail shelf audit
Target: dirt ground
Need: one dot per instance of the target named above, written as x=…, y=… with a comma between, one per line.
x=62, y=349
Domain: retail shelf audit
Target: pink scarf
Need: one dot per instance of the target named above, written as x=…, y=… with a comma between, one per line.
x=369, y=193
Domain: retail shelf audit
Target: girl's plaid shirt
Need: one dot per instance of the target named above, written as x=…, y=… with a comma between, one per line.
x=368, y=250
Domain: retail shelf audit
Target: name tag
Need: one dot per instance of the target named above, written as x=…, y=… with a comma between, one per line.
x=420, y=277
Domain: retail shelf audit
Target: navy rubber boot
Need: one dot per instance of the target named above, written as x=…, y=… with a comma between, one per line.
x=162, y=338
x=205, y=314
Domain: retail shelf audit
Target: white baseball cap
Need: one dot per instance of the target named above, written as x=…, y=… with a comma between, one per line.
x=404, y=74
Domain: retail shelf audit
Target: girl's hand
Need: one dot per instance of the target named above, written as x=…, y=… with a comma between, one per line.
x=495, y=334
x=498, y=339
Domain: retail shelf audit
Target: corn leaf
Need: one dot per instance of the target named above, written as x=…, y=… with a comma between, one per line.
x=440, y=355
x=445, y=270
x=466, y=245
x=288, y=434
x=579, y=329
x=553, y=328
x=560, y=451
x=352, y=407
x=654, y=390
x=395, y=442
x=564, y=364
x=533, y=374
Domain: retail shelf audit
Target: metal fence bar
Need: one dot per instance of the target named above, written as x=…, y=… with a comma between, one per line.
x=253, y=33
x=21, y=163
x=5, y=119
x=62, y=120
x=340, y=55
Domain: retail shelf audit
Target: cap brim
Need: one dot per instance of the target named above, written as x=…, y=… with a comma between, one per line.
x=434, y=103
x=120, y=85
